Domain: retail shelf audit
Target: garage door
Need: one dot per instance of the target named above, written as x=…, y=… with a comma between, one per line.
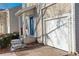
x=57, y=31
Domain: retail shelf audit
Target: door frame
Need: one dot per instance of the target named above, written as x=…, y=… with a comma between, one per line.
x=28, y=21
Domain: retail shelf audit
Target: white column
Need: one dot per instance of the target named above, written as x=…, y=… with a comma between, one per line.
x=19, y=26
x=23, y=21
x=24, y=26
x=8, y=21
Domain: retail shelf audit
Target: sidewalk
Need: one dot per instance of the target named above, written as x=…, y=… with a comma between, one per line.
x=40, y=51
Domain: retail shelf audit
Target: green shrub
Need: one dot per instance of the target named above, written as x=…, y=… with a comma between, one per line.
x=5, y=39
x=2, y=43
x=15, y=35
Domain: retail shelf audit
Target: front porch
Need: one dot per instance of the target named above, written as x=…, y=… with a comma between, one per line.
x=27, y=24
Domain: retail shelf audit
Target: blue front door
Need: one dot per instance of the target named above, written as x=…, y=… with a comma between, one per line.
x=31, y=25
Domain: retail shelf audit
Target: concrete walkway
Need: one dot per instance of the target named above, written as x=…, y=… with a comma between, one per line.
x=41, y=51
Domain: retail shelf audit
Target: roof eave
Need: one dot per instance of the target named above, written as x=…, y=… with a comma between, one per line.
x=21, y=11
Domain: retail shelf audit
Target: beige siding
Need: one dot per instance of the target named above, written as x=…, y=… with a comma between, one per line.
x=3, y=22
x=14, y=26
x=57, y=9
x=39, y=22
x=39, y=31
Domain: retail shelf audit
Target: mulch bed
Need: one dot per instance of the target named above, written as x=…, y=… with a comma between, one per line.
x=5, y=50
x=28, y=47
